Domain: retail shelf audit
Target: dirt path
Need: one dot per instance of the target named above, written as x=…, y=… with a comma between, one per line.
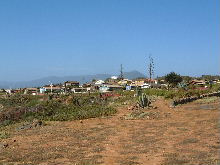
x=184, y=135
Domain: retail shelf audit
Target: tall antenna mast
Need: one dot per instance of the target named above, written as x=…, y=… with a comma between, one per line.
x=121, y=73
x=151, y=68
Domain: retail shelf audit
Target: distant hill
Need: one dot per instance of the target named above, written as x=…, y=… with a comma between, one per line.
x=133, y=74
x=56, y=80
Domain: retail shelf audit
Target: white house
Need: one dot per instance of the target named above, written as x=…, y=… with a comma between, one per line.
x=99, y=82
x=114, y=77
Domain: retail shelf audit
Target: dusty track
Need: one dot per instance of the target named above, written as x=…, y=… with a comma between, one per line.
x=184, y=135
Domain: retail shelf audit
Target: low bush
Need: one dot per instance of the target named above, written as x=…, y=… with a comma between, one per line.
x=16, y=108
x=160, y=92
x=54, y=110
x=19, y=100
x=180, y=93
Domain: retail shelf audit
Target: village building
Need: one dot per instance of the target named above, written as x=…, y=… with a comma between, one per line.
x=79, y=90
x=71, y=84
x=32, y=91
x=131, y=87
x=99, y=82
x=110, y=87
x=125, y=82
x=51, y=89
x=145, y=82
x=200, y=83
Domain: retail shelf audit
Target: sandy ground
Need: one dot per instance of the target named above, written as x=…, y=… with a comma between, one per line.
x=187, y=134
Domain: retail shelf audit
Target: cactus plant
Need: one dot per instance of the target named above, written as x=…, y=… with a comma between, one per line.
x=143, y=100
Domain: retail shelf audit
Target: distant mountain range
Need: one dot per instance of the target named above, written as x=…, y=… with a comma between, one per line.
x=56, y=80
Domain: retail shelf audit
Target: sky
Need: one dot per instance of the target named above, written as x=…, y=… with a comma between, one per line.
x=40, y=38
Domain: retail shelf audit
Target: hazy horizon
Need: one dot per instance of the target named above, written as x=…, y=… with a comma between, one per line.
x=116, y=74
x=82, y=37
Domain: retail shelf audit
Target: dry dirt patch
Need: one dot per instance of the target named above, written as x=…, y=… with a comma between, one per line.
x=185, y=135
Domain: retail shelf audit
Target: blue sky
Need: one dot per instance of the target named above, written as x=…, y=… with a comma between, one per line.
x=40, y=38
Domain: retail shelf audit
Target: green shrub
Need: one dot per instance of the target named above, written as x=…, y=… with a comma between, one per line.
x=4, y=135
x=26, y=108
x=160, y=92
x=19, y=100
x=57, y=111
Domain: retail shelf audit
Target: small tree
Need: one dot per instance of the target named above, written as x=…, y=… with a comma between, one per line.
x=173, y=79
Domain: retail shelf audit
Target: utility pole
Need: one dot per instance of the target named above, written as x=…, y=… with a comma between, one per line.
x=121, y=73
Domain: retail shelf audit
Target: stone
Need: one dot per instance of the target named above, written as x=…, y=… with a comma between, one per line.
x=4, y=145
x=36, y=123
x=131, y=108
x=172, y=104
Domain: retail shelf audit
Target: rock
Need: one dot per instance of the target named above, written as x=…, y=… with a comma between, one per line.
x=4, y=145
x=131, y=108
x=137, y=106
x=27, y=126
x=36, y=123
x=172, y=104
x=81, y=121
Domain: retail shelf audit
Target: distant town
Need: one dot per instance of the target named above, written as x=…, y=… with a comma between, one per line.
x=113, y=83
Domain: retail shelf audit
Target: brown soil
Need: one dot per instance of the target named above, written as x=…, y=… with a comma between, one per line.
x=182, y=135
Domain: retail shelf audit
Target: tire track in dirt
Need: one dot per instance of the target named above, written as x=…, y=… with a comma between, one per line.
x=123, y=147
x=113, y=145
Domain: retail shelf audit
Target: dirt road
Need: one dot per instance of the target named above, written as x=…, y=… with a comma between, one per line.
x=188, y=134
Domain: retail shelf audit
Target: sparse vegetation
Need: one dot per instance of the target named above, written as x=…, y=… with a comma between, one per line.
x=134, y=132
x=162, y=139
x=4, y=135
x=74, y=107
x=19, y=107
x=180, y=93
